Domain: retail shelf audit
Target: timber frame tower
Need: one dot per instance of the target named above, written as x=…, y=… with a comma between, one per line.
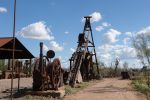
x=82, y=58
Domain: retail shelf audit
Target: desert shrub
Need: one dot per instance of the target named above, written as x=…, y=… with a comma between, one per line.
x=142, y=87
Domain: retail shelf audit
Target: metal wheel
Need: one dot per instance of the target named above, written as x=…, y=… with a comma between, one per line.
x=56, y=74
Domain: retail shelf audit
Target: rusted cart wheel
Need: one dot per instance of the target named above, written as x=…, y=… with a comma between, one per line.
x=56, y=74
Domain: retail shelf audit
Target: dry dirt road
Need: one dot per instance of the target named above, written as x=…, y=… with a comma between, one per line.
x=108, y=89
x=5, y=85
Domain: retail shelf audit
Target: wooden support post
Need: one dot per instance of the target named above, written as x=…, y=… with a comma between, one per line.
x=13, y=51
x=19, y=66
x=30, y=62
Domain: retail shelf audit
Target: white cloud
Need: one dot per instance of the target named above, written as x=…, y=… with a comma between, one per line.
x=105, y=48
x=72, y=49
x=129, y=34
x=64, y=62
x=145, y=31
x=66, y=32
x=106, y=58
x=60, y=58
x=126, y=40
x=108, y=53
x=128, y=53
x=102, y=27
x=55, y=46
x=105, y=24
x=3, y=10
x=111, y=35
x=37, y=30
x=96, y=17
x=65, y=65
x=45, y=48
x=99, y=28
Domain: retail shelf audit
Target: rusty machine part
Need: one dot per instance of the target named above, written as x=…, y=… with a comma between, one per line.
x=47, y=75
x=82, y=58
x=50, y=54
x=87, y=67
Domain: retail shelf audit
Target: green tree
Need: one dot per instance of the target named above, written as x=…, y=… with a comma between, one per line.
x=141, y=44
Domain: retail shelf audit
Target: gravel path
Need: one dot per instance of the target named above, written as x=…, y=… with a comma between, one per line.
x=108, y=89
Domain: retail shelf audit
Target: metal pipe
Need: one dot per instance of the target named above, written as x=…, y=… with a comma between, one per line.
x=41, y=58
x=13, y=51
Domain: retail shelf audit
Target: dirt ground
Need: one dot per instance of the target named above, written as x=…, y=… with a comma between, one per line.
x=108, y=89
x=5, y=85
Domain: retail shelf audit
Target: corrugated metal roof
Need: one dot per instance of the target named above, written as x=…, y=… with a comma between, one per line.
x=6, y=45
x=5, y=40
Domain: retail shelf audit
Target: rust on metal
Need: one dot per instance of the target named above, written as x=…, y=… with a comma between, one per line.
x=81, y=61
x=47, y=75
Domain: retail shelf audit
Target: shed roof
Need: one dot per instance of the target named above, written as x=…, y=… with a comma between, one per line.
x=6, y=45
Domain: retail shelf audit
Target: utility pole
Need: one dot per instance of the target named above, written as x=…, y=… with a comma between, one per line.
x=13, y=51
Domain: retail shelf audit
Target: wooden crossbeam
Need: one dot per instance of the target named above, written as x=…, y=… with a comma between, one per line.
x=4, y=49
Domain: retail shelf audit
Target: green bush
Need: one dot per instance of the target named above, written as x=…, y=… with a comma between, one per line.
x=142, y=87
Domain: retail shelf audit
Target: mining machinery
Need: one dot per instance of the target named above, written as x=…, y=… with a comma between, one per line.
x=81, y=62
x=47, y=74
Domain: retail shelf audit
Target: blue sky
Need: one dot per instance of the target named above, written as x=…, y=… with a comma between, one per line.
x=57, y=23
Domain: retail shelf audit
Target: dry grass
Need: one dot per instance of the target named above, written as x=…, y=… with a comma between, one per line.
x=69, y=90
x=140, y=85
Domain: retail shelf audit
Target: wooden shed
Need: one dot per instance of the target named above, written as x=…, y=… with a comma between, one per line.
x=6, y=45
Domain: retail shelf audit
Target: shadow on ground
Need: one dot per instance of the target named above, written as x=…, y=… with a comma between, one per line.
x=108, y=89
x=16, y=94
x=25, y=93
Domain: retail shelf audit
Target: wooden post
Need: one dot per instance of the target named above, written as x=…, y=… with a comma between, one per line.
x=13, y=51
x=19, y=66
x=30, y=66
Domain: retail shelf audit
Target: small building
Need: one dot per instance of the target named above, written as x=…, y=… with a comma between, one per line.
x=6, y=47
x=20, y=52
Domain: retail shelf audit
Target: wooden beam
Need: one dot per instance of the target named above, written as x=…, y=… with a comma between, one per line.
x=4, y=49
